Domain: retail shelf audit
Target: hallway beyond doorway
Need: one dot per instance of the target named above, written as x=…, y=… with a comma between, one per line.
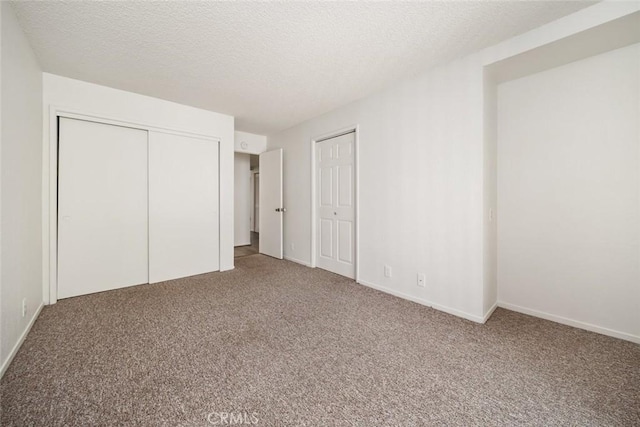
x=252, y=249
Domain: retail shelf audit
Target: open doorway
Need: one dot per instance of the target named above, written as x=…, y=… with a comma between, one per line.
x=247, y=195
x=258, y=209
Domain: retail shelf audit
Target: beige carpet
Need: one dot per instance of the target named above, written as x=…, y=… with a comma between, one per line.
x=282, y=345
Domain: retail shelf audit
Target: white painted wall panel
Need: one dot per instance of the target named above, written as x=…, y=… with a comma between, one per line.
x=20, y=184
x=249, y=143
x=183, y=206
x=569, y=192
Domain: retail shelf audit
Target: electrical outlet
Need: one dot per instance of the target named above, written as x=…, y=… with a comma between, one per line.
x=422, y=281
x=490, y=215
x=24, y=307
x=293, y=247
x=387, y=271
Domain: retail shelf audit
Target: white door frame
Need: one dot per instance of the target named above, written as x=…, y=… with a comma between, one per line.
x=356, y=195
x=50, y=186
x=252, y=192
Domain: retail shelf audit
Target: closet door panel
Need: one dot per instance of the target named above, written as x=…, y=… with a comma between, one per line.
x=183, y=206
x=102, y=207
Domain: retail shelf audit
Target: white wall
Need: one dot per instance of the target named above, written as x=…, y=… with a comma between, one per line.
x=88, y=98
x=600, y=28
x=21, y=188
x=250, y=143
x=490, y=194
x=242, y=198
x=569, y=192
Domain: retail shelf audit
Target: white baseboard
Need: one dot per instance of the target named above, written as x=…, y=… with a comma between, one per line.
x=423, y=301
x=297, y=261
x=14, y=350
x=570, y=322
x=489, y=312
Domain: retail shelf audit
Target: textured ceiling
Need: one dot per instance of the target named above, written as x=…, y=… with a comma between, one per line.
x=271, y=65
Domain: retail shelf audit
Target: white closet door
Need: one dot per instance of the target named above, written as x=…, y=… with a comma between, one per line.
x=102, y=207
x=183, y=207
x=335, y=201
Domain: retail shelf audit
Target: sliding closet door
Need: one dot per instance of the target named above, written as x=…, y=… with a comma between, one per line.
x=102, y=207
x=183, y=207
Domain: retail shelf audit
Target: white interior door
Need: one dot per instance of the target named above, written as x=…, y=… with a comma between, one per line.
x=335, y=204
x=271, y=207
x=102, y=207
x=256, y=189
x=183, y=207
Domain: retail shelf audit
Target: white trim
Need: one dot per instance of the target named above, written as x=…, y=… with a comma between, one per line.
x=489, y=312
x=356, y=188
x=570, y=322
x=439, y=307
x=50, y=238
x=297, y=261
x=312, y=157
x=81, y=115
x=14, y=350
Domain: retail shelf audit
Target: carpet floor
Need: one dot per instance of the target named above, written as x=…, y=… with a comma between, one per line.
x=277, y=344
